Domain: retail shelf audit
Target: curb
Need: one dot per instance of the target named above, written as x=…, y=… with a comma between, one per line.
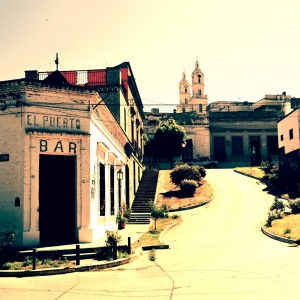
x=192, y=207
x=65, y=270
x=276, y=237
x=168, y=229
x=248, y=175
x=163, y=246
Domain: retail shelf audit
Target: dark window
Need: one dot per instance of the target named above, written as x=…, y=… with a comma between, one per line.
x=200, y=108
x=272, y=145
x=291, y=133
x=134, y=177
x=255, y=152
x=186, y=101
x=199, y=78
x=188, y=150
x=125, y=119
x=112, y=190
x=219, y=148
x=281, y=137
x=102, y=189
x=132, y=130
x=237, y=146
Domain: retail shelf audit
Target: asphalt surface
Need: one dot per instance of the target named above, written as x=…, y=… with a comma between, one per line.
x=218, y=252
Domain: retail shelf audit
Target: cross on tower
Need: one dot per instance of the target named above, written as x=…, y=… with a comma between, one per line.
x=56, y=61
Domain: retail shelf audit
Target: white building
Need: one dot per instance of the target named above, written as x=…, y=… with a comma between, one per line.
x=60, y=154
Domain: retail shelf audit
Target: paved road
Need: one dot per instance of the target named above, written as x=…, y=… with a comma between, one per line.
x=218, y=252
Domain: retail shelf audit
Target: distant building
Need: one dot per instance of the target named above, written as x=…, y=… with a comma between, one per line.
x=245, y=133
x=234, y=133
x=289, y=142
x=70, y=154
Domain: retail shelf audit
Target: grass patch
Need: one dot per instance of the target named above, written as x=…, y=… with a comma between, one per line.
x=252, y=171
x=287, y=227
x=170, y=195
x=40, y=264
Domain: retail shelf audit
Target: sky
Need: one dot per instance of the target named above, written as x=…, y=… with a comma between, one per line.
x=245, y=48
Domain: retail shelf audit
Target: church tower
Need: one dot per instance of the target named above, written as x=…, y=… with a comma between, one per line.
x=197, y=82
x=184, y=90
x=197, y=102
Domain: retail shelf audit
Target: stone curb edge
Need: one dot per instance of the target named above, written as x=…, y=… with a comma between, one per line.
x=65, y=270
x=248, y=175
x=161, y=236
x=276, y=237
x=192, y=207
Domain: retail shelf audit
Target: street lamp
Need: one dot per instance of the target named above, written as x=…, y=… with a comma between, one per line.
x=119, y=177
x=183, y=144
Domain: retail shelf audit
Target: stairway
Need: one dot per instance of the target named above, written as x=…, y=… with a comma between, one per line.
x=140, y=212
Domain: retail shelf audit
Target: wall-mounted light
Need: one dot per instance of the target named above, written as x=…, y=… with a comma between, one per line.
x=120, y=175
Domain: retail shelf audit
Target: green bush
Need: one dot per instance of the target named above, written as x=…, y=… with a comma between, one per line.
x=277, y=205
x=269, y=220
x=188, y=187
x=6, y=241
x=275, y=210
x=112, y=238
x=202, y=171
x=294, y=206
x=183, y=172
x=266, y=166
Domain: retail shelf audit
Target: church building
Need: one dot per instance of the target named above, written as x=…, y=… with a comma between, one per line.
x=192, y=97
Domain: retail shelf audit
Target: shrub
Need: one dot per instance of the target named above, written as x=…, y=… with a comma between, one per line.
x=152, y=255
x=275, y=211
x=269, y=220
x=277, y=205
x=182, y=172
x=6, y=241
x=126, y=211
x=266, y=166
x=294, y=206
x=112, y=238
x=202, y=171
x=188, y=187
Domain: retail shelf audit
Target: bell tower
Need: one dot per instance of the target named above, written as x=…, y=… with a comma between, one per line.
x=184, y=90
x=197, y=102
x=197, y=82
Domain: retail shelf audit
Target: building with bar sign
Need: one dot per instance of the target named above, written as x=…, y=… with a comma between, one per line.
x=70, y=153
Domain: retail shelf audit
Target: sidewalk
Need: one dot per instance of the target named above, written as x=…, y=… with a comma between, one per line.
x=131, y=230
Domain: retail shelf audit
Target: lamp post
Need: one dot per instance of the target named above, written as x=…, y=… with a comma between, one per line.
x=120, y=178
x=183, y=145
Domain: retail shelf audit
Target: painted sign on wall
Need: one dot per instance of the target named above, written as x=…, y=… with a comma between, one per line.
x=47, y=121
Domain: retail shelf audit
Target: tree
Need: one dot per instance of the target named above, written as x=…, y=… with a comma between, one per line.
x=168, y=139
